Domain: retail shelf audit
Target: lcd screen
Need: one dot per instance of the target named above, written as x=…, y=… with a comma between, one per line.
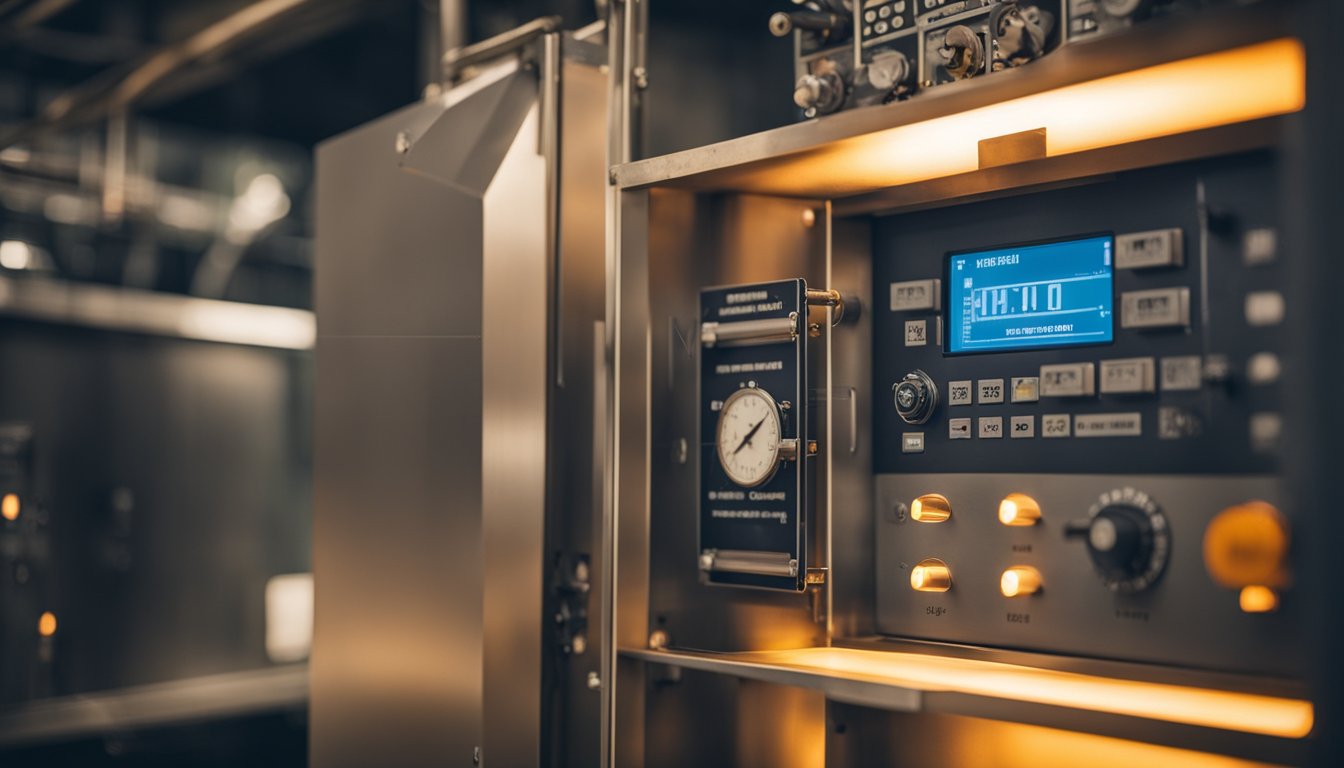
x=1054, y=294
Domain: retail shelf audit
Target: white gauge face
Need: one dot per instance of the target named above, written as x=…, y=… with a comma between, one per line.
x=749, y=437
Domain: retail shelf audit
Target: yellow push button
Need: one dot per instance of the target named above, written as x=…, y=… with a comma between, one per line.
x=1020, y=580
x=930, y=508
x=931, y=575
x=1019, y=509
x=1247, y=545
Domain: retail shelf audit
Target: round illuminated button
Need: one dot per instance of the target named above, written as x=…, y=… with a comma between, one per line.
x=931, y=575
x=1258, y=599
x=1019, y=509
x=930, y=508
x=1247, y=545
x=1020, y=580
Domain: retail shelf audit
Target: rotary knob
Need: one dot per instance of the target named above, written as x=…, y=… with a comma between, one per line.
x=819, y=93
x=1127, y=539
x=915, y=396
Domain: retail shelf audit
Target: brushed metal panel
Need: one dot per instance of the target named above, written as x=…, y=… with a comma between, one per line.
x=851, y=554
x=577, y=440
x=396, y=666
x=513, y=448
x=392, y=246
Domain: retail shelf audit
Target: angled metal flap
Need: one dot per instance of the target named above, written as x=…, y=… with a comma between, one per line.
x=466, y=144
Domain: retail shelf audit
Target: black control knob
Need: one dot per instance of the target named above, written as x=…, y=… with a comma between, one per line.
x=819, y=93
x=824, y=22
x=915, y=396
x=1127, y=538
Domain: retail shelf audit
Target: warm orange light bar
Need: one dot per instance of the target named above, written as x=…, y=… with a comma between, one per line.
x=1268, y=715
x=9, y=507
x=1208, y=91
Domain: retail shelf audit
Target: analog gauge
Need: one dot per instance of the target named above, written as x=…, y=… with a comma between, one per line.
x=749, y=437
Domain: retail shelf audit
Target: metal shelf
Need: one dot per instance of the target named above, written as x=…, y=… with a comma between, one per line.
x=1247, y=725
x=180, y=701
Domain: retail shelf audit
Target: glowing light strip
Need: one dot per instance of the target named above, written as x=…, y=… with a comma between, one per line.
x=1234, y=86
x=1251, y=713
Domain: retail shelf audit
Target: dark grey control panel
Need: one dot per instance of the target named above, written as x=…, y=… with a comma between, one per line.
x=1077, y=427
x=1188, y=382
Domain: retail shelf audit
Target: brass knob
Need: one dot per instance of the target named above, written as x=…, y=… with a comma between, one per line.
x=930, y=508
x=931, y=575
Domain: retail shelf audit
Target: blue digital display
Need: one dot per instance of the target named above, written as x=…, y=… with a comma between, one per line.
x=1029, y=297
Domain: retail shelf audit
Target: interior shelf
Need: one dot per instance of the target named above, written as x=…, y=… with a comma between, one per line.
x=1246, y=724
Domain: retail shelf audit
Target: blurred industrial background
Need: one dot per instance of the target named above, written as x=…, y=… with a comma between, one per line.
x=156, y=334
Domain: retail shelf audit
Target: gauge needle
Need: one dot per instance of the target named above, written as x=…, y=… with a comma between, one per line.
x=747, y=439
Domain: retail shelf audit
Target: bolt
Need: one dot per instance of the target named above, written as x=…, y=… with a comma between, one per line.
x=594, y=682
x=809, y=218
x=403, y=143
x=640, y=75
x=578, y=645
x=475, y=755
x=658, y=639
x=680, y=450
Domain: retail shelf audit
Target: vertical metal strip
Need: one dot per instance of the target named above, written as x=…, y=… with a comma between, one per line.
x=548, y=145
x=830, y=435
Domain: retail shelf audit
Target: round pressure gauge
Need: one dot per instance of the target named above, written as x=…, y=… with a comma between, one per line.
x=749, y=437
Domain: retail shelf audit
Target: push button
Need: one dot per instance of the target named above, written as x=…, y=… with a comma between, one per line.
x=959, y=392
x=1159, y=308
x=1022, y=426
x=1069, y=380
x=991, y=427
x=1143, y=250
x=1128, y=377
x=1026, y=389
x=990, y=391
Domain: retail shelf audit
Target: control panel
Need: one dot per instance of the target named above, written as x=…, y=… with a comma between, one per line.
x=855, y=53
x=1080, y=448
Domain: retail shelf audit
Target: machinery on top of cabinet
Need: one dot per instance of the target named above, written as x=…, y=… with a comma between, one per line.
x=855, y=53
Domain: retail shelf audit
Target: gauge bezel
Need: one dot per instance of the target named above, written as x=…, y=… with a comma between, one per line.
x=775, y=410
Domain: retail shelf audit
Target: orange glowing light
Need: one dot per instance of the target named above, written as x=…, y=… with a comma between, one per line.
x=1199, y=93
x=1227, y=710
x=931, y=575
x=9, y=507
x=930, y=508
x=1020, y=580
x=46, y=624
x=1258, y=599
x=1019, y=509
